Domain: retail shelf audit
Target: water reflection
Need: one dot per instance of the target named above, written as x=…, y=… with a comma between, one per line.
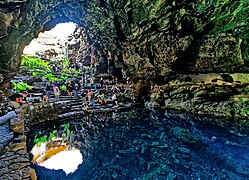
x=140, y=144
x=57, y=151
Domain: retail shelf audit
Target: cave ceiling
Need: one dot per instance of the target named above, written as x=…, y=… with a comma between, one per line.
x=145, y=38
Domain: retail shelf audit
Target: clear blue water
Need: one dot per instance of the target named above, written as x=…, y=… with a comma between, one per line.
x=140, y=144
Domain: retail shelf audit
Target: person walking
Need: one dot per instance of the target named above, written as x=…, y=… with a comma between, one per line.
x=114, y=99
x=101, y=82
x=57, y=93
x=48, y=90
x=93, y=96
x=89, y=94
x=76, y=90
x=69, y=88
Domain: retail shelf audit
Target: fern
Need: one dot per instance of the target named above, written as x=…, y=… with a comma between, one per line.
x=18, y=87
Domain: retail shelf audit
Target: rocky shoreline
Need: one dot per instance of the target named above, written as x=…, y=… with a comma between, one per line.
x=205, y=94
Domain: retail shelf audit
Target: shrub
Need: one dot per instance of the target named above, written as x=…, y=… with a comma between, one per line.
x=63, y=88
x=35, y=63
x=18, y=87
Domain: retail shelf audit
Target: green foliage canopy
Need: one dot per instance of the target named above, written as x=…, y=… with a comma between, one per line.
x=226, y=16
x=33, y=63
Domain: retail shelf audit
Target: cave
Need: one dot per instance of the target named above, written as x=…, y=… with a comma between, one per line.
x=167, y=61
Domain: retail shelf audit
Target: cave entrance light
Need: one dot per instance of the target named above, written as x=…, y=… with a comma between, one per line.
x=52, y=42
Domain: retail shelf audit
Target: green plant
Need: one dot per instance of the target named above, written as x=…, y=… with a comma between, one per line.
x=66, y=129
x=224, y=16
x=74, y=72
x=35, y=63
x=65, y=62
x=22, y=86
x=52, y=134
x=39, y=73
x=51, y=77
x=40, y=140
x=64, y=75
x=63, y=88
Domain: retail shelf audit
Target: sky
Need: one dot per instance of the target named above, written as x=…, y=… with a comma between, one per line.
x=59, y=33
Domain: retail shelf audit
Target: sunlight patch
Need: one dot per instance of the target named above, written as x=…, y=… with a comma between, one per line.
x=52, y=39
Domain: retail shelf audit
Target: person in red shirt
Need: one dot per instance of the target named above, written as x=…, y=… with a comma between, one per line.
x=89, y=94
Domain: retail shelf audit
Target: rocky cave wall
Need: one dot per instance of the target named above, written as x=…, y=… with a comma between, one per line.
x=147, y=39
x=157, y=44
x=153, y=42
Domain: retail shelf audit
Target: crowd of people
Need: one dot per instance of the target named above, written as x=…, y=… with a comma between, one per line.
x=85, y=86
x=88, y=88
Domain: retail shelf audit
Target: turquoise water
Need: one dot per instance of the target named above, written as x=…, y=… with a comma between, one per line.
x=140, y=144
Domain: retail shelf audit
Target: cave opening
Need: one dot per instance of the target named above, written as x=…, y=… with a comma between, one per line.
x=62, y=45
x=51, y=42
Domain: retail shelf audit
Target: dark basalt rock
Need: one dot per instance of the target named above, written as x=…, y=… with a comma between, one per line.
x=1, y=78
x=6, y=136
x=151, y=41
x=147, y=40
x=5, y=105
x=184, y=135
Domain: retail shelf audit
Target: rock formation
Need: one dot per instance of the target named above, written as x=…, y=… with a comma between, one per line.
x=166, y=48
x=149, y=40
x=156, y=44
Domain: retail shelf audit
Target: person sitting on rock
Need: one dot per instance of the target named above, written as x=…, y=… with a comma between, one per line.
x=85, y=107
x=21, y=99
x=44, y=98
x=102, y=99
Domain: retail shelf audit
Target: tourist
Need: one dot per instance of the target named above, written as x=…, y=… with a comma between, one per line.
x=85, y=107
x=53, y=68
x=101, y=82
x=114, y=99
x=92, y=82
x=69, y=88
x=102, y=99
x=56, y=93
x=18, y=97
x=54, y=84
x=106, y=83
x=48, y=90
x=89, y=95
x=81, y=84
x=76, y=90
x=83, y=95
x=93, y=96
